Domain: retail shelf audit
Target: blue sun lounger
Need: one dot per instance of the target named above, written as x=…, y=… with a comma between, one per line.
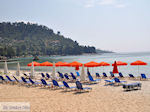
x=45, y=83
x=48, y=76
x=92, y=80
x=34, y=82
x=104, y=75
x=42, y=74
x=97, y=75
x=66, y=76
x=25, y=81
x=78, y=74
x=67, y=86
x=73, y=76
x=117, y=81
x=143, y=76
x=131, y=76
x=111, y=74
x=9, y=79
x=2, y=79
x=19, y=81
x=109, y=82
x=80, y=87
x=55, y=83
x=121, y=75
x=61, y=75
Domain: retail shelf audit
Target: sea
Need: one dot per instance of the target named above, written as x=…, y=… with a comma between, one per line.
x=106, y=57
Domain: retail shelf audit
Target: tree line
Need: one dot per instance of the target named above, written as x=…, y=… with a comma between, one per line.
x=23, y=39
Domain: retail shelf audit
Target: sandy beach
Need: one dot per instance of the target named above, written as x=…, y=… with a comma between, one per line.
x=101, y=99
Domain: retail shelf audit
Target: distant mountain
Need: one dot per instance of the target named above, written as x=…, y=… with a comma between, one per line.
x=23, y=39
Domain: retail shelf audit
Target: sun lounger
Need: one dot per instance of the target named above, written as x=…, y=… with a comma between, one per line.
x=34, y=82
x=78, y=74
x=25, y=81
x=19, y=81
x=45, y=83
x=80, y=87
x=3, y=80
x=97, y=75
x=108, y=82
x=143, y=76
x=92, y=80
x=131, y=76
x=132, y=86
x=9, y=79
x=117, y=81
x=104, y=75
x=111, y=74
x=67, y=86
x=48, y=76
x=121, y=75
x=66, y=76
x=61, y=75
x=42, y=74
x=55, y=83
x=73, y=76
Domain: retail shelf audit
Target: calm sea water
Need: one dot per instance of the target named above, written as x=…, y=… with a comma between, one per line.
x=107, y=57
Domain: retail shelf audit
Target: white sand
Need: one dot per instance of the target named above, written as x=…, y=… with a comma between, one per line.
x=100, y=99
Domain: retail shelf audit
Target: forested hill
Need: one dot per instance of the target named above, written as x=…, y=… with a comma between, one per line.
x=19, y=38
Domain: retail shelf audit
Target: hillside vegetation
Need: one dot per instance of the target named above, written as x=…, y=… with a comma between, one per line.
x=23, y=39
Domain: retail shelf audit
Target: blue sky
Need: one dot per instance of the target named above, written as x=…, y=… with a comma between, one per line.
x=117, y=25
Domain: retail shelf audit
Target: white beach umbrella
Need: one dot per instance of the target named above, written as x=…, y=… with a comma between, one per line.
x=18, y=69
x=82, y=77
x=53, y=71
x=5, y=68
x=32, y=70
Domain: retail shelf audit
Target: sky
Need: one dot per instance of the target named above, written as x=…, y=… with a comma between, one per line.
x=115, y=25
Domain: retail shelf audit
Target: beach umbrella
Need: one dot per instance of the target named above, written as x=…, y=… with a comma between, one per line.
x=46, y=64
x=34, y=63
x=75, y=64
x=5, y=68
x=104, y=64
x=82, y=76
x=32, y=70
x=91, y=64
x=53, y=71
x=18, y=69
x=120, y=63
x=138, y=63
x=115, y=69
x=62, y=64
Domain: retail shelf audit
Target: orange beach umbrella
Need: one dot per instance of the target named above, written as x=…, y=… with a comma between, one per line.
x=46, y=64
x=91, y=64
x=104, y=64
x=75, y=64
x=34, y=64
x=61, y=64
x=137, y=63
x=120, y=63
